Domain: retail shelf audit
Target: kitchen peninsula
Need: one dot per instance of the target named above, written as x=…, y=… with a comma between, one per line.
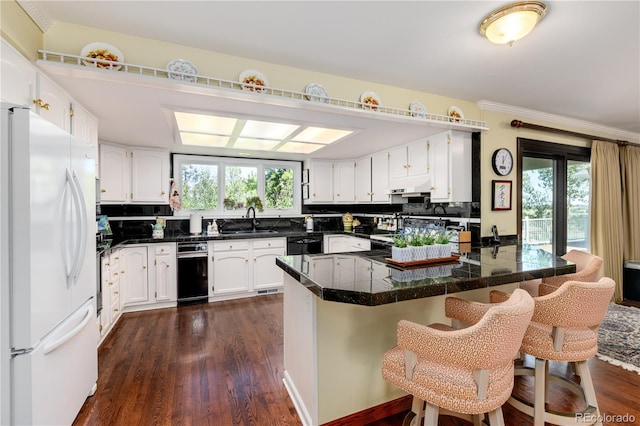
x=341, y=312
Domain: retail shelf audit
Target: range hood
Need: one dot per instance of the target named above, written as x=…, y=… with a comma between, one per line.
x=414, y=186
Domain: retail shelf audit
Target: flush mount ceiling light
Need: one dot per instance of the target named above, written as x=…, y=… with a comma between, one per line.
x=248, y=134
x=512, y=22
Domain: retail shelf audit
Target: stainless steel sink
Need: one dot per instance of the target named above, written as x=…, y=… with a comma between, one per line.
x=250, y=232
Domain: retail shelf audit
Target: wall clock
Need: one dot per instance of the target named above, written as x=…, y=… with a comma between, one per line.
x=502, y=161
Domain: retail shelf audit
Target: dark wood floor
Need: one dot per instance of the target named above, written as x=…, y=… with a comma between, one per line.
x=222, y=364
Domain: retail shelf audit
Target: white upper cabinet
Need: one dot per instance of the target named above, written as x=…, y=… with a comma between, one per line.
x=363, y=180
x=115, y=174
x=344, y=182
x=19, y=78
x=23, y=84
x=52, y=103
x=409, y=160
x=133, y=175
x=320, y=182
x=380, y=178
x=450, y=166
x=150, y=176
x=372, y=179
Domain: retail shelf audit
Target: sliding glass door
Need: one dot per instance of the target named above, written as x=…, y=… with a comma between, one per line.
x=554, y=196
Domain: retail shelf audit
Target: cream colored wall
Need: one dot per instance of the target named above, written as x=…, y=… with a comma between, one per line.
x=18, y=29
x=69, y=38
x=502, y=135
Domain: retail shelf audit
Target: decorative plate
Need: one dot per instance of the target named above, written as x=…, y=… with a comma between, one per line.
x=252, y=80
x=417, y=109
x=102, y=51
x=317, y=93
x=370, y=100
x=455, y=114
x=183, y=67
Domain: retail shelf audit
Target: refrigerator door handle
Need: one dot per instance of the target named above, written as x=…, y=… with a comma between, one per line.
x=63, y=212
x=52, y=346
x=82, y=234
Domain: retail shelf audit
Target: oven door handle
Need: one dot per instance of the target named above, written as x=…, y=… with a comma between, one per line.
x=192, y=255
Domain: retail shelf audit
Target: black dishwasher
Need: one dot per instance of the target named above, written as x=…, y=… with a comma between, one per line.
x=193, y=281
x=304, y=245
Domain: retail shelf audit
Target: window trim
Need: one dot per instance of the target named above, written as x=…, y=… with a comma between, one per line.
x=557, y=152
x=222, y=162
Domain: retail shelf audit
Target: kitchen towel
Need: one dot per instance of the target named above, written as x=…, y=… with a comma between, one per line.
x=174, y=198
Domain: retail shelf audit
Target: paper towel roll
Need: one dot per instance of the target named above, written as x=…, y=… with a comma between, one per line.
x=195, y=223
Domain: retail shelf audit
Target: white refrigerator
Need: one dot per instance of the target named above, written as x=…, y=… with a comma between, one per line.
x=48, y=328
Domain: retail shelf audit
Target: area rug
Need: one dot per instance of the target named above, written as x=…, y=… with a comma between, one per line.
x=619, y=337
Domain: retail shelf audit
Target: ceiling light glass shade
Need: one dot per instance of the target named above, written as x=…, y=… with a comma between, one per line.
x=320, y=135
x=299, y=147
x=255, y=144
x=267, y=130
x=199, y=139
x=255, y=135
x=510, y=23
x=204, y=123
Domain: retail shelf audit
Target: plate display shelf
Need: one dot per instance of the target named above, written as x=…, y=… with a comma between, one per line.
x=49, y=57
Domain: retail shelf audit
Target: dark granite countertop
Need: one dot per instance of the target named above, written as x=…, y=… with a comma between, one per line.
x=172, y=238
x=365, y=278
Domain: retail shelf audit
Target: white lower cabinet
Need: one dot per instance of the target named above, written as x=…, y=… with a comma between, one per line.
x=336, y=243
x=345, y=243
x=136, y=280
x=266, y=274
x=240, y=268
x=150, y=279
x=111, y=273
x=163, y=272
x=230, y=266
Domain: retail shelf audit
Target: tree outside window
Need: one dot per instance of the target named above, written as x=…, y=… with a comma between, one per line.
x=240, y=184
x=199, y=186
x=278, y=188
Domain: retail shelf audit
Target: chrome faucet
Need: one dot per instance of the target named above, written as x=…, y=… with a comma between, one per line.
x=253, y=219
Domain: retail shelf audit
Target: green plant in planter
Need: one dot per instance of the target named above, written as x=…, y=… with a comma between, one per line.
x=429, y=238
x=255, y=202
x=416, y=239
x=229, y=203
x=399, y=241
x=443, y=237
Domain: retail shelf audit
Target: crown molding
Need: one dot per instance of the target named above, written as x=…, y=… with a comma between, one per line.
x=584, y=126
x=37, y=15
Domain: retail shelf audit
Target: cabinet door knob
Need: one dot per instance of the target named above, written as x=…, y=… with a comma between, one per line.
x=167, y=266
x=162, y=193
x=144, y=267
x=103, y=190
x=432, y=188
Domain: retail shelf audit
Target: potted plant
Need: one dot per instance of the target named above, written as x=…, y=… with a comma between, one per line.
x=418, y=246
x=400, y=252
x=443, y=242
x=255, y=202
x=429, y=239
x=229, y=203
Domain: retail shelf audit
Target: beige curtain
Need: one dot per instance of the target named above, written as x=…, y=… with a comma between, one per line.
x=630, y=169
x=607, y=236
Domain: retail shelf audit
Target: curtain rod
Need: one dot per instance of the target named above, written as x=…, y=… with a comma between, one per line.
x=519, y=124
